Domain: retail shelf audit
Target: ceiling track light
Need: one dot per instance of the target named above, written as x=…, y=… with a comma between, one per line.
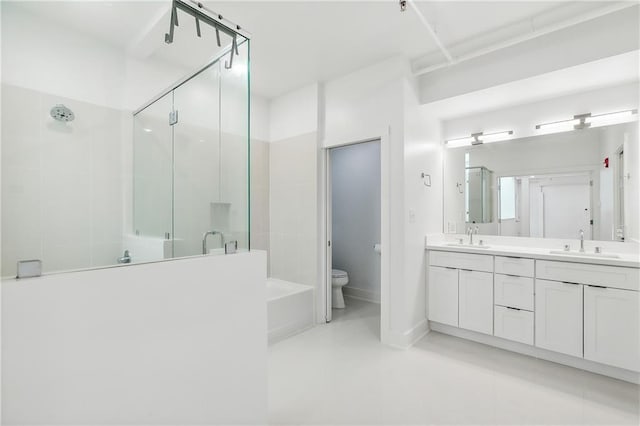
x=584, y=121
x=479, y=139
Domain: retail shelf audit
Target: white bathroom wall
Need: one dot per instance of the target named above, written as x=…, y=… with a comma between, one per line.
x=293, y=114
x=378, y=102
x=355, y=221
x=293, y=186
x=75, y=65
x=259, y=193
x=423, y=204
x=178, y=342
x=523, y=118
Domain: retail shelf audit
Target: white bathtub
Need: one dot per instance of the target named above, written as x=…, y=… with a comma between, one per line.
x=289, y=308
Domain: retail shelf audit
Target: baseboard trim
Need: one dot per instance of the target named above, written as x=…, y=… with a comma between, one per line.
x=358, y=293
x=408, y=338
x=521, y=348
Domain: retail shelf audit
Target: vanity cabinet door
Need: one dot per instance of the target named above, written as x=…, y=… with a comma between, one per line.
x=476, y=301
x=443, y=295
x=611, y=330
x=558, y=317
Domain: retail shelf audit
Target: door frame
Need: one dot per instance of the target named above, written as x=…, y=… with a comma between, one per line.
x=324, y=300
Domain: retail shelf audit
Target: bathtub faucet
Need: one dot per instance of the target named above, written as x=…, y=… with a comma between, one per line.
x=204, y=240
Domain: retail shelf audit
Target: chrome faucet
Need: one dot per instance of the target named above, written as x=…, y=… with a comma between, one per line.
x=204, y=239
x=126, y=257
x=581, y=241
x=470, y=232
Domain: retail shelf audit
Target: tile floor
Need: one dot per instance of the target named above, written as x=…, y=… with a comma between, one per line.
x=340, y=373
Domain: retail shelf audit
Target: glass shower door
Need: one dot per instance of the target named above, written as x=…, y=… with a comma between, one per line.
x=152, y=183
x=198, y=205
x=191, y=165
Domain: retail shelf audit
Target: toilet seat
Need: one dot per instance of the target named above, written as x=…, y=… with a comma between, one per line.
x=338, y=273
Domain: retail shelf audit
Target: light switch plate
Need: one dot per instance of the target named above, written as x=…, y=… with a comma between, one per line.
x=412, y=216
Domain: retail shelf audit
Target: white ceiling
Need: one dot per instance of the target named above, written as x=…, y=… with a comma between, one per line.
x=295, y=43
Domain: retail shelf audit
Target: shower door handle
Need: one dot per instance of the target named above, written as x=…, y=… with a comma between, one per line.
x=377, y=248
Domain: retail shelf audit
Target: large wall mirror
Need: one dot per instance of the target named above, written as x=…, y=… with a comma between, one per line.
x=547, y=186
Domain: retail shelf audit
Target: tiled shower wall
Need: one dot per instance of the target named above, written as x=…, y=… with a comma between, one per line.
x=293, y=209
x=260, y=195
x=63, y=181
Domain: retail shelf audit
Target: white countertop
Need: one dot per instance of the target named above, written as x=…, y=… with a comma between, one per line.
x=629, y=260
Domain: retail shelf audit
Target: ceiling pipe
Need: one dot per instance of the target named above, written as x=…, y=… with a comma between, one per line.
x=526, y=37
x=431, y=32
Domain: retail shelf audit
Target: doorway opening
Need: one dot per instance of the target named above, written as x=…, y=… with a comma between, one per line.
x=354, y=226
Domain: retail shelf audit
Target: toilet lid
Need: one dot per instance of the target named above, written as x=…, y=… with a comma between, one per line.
x=337, y=273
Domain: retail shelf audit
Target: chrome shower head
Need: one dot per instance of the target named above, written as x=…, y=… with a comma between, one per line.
x=62, y=113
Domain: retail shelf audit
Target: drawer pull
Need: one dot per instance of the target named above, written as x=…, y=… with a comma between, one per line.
x=597, y=286
x=513, y=257
x=569, y=282
x=449, y=267
x=468, y=270
x=513, y=276
x=513, y=309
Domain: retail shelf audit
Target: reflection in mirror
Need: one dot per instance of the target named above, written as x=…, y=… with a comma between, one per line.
x=548, y=186
x=478, y=199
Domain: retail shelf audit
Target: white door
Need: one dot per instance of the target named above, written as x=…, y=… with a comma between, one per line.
x=558, y=317
x=567, y=210
x=443, y=295
x=476, y=301
x=611, y=330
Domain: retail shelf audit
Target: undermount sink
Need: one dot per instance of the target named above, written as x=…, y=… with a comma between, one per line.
x=577, y=253
x=467, y=245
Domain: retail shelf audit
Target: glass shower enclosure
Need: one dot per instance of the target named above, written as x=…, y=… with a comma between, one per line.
x=191, y=164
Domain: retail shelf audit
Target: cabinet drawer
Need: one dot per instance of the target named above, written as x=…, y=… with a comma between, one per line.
x=608, y=276
x=514, y=292
x=513, y=324
x=514, y=266
x=473, y=262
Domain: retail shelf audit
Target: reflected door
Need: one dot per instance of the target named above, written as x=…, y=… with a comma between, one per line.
x=567, y=210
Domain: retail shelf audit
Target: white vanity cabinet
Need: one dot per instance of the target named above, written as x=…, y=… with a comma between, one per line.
x=559, y=317
x=589, y=311
x=461, y=290
x=611, y=327
x=597, y=312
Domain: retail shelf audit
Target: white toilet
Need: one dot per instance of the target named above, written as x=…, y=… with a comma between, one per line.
x=338, y=280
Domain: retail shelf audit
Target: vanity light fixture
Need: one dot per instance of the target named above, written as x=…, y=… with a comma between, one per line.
x=479, y=138
x=584, y=121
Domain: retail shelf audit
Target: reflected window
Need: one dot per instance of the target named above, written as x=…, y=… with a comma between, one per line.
x=507, y=198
